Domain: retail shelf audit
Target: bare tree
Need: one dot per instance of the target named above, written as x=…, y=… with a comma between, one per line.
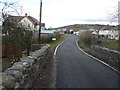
x=8, y=8
x=119, y=12
x=115, y=16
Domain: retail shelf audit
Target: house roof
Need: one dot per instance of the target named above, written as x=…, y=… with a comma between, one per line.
x=33, y=20
x=107, y=27
x=115, y=28
x=16, y=19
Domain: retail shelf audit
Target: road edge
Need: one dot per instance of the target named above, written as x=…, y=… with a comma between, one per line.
x=55, y=52
x=96, y=58
x=54, y=57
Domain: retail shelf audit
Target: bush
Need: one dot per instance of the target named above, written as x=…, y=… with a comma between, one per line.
x=45, y=38
x=85, y=37
x=18, y=39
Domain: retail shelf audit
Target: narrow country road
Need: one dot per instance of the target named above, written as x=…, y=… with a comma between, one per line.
x=77, y=70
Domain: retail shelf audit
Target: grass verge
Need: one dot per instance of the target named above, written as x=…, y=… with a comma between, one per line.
x=59, y=40
x=87, y=49
x=111, y=45
x=84, y=46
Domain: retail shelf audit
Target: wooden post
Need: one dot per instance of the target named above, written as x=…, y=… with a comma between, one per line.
x=40, y=22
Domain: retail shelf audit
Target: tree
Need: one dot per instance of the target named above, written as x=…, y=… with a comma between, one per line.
x=22, y=36
x=85, y=37
x=115, y=16
x=9, y=8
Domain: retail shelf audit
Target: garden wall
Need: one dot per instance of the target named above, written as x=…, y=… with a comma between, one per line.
x=24, y=73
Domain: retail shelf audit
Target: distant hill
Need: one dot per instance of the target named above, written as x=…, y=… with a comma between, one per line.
x=83, y=26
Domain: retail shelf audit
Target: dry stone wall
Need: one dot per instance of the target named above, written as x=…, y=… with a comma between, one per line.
x=23, y=73
x=109, y=56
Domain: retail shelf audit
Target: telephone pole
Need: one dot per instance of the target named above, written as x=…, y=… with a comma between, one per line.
x=40, y=22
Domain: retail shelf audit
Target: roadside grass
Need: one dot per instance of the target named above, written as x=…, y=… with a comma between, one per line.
x=60, y=39
x=84, y=46
x=112, y=45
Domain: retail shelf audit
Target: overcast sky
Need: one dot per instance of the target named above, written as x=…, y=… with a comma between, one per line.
x=56, y=13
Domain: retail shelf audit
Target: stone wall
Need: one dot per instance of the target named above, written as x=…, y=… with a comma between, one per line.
x=110, y=57
x=24, y=73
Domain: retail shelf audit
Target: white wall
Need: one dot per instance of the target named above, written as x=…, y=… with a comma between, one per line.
x=37, y=28
x=26, y=23
x=103, y=32
x=114, y=34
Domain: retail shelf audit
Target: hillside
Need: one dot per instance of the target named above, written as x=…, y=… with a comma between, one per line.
x=83, y=26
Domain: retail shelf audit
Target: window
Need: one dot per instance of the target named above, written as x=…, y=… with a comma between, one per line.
x=35, y=26
x=116, y=35
x=28, y=25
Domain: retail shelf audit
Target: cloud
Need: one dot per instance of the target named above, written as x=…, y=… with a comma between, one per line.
x=61, y=12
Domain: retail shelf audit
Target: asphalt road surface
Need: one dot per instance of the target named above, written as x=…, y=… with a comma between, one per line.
x=77, y=70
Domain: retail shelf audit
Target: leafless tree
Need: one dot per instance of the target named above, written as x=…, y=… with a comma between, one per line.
x=115, y=16
x=8, y=8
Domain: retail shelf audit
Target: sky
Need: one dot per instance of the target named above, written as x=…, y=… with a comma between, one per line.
x=57, y=13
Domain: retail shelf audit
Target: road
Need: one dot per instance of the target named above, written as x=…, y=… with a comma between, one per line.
x=77, y=70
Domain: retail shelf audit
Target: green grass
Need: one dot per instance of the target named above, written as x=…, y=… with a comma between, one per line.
x=60, y=39
x=112, y=45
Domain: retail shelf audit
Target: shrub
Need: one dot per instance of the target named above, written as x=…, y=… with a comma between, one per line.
x=85, y=37
x=18, y=39
x=45, y=38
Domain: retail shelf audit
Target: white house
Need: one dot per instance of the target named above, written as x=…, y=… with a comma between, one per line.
x=76, y=33
x=71, y=30
x=110, y=32
x=114, y=33
x=105, y=31
x=95, y=32
x=28, y=22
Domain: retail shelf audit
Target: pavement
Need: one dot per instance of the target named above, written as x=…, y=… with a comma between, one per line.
x=75, y=69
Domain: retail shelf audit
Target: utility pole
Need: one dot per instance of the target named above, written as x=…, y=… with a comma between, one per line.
x=40, y=22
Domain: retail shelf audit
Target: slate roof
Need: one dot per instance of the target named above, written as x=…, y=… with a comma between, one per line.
x=115, y=28
x=33, y=20
x=108, y=27
x=15, y=19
